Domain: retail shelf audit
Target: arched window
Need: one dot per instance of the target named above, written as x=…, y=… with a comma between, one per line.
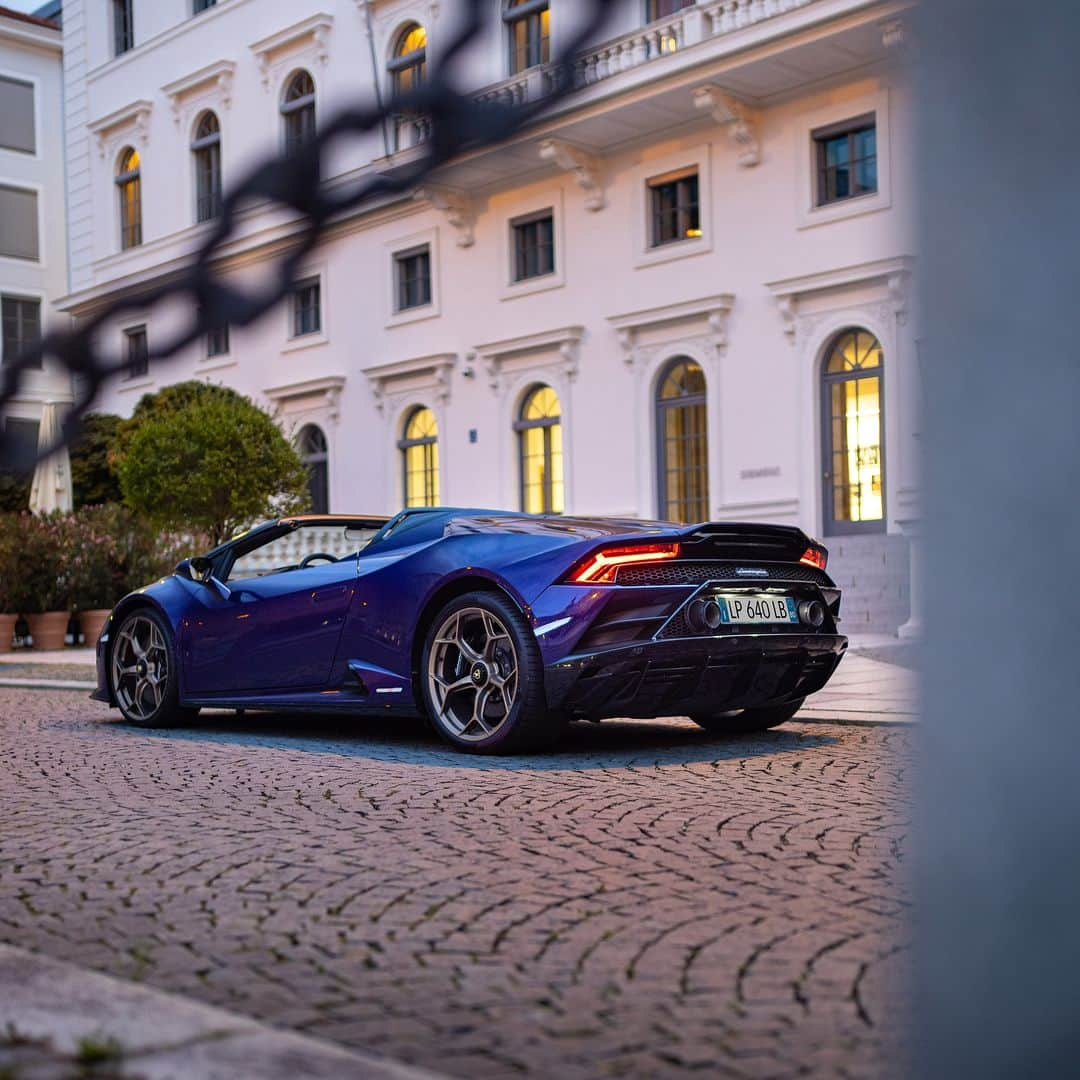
x=129, y=184
x=311, y=445
x=206, y=149
x=539, y=428
x=529, y=25
x=683, y=442
x=419, y=448
x=852, y=424
x=407, y=69
x=298, y=111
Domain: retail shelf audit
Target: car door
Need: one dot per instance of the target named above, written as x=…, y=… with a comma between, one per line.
x=275, y=632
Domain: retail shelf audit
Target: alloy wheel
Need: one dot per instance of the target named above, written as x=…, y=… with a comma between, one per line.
x=473, y=674
x=140, y=667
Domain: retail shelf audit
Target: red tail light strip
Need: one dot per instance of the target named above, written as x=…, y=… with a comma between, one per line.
x=813, y=556
x=600, y=568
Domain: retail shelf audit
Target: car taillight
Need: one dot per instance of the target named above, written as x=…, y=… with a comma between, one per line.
x=815, y=556
x=600, y=568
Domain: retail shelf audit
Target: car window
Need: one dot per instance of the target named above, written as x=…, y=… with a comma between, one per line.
x=290, y=550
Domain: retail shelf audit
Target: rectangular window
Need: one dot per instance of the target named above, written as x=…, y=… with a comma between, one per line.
x=217, y=342
x=123, y=26
x=17, y=469
x=534, y=245
x=16, y=115
x=18, y=223
x=675, y=210
x=529, y=24
x=413, y=274
x=846, y=157
x=203, y=5
x=307, y=307
x=20, y=318
x=138, y=352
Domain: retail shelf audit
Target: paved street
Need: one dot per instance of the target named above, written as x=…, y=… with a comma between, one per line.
x=648, y=901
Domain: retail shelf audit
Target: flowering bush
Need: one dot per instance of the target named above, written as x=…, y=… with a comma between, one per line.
x=111, y=551
x=42, y=581
x=85, y=560
x=10, y=562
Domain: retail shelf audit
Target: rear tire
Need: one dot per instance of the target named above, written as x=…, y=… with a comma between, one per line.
x=482, y=678
x=143, y=672
x=748, y=720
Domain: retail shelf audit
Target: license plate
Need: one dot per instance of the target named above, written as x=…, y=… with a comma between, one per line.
x=757, y=608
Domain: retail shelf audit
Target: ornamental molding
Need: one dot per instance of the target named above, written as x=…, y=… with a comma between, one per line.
x=587, y=169
x=311, y=34
x=894, y=34
x=740, y=120
x=432, y=373
x=456, y=207
x=326, y=391
x=133, y=119
x=714, y=310
x=564, y=341
x=894, y=274
x=215, y=80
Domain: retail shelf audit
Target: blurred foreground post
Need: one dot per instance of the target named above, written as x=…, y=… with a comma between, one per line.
x=1000, y=248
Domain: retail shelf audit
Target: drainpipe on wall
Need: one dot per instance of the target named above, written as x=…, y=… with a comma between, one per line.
x=375, y=76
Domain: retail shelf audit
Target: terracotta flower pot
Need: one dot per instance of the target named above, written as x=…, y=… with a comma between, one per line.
x=7, y=631
x=91, y=622
x=48, y=629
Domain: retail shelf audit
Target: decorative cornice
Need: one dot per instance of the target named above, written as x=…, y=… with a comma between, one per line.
x=135, y=116
x=329, y=386
x=314, y=31
x=894, y=273
x=565, y=340
x=713, y=309
x=894, y=34
x=456, y=206
x=587, y=169
x=437, y=368
x=740, y=120
x=218, y=75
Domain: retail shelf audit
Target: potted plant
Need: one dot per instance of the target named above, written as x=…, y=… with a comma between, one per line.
x=9, y=573
x=43, y=583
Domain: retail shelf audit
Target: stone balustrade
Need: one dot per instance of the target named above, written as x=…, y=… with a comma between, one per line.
x=291, y=549
x=691, y=26
x=687, y=27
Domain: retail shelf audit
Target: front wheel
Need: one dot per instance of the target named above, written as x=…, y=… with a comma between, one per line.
x=748, y=720
x=482, y=678
x=142, y=672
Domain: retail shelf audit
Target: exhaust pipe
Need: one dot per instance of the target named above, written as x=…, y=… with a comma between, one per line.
x=812, y=612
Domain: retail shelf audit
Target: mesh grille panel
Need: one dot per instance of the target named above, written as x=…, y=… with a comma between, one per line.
x=697, y=573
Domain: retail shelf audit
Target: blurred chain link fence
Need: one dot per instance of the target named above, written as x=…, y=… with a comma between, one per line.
x=457, y=121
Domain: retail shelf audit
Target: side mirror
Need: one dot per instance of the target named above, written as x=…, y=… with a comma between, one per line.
x=202, y=568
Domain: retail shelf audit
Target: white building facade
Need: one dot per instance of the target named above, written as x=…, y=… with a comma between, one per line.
x=33, y=243
x=686, y=293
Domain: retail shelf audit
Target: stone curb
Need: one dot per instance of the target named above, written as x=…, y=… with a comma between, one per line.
x=162, y=1036
x=48, y=684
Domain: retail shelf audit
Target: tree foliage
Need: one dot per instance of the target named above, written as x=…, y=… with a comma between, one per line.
x=206, y=459
x=93, y=480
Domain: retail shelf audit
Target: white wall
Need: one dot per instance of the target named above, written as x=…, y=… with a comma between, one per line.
x=761, y=367
x=31, y=53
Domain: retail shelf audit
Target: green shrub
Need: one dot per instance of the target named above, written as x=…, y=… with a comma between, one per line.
x=197, y=458
x=93, y=480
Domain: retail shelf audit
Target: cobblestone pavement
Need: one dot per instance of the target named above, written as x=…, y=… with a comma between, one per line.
x=651, y=900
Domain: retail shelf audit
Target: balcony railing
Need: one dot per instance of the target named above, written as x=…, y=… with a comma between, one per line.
x=692, y=25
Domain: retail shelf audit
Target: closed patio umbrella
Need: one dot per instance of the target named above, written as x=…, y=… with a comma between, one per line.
x=51, y=489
